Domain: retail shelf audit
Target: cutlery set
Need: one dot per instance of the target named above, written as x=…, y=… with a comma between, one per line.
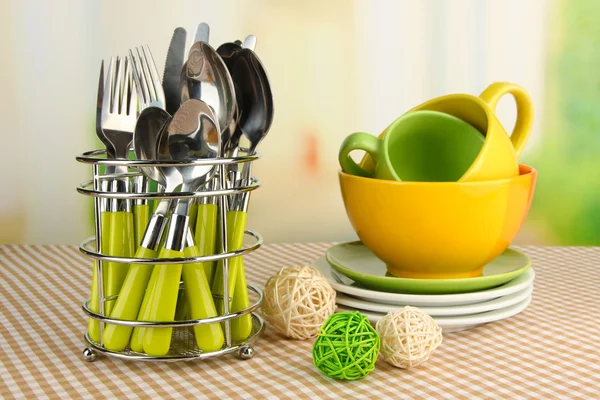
x=171, y=262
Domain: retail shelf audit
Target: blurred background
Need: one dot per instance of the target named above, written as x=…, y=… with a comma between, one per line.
x=336, y=67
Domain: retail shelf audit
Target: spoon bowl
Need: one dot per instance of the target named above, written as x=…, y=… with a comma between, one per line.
x=206, y=77
x=255, y=96
x=148, y=128
x=192, y=134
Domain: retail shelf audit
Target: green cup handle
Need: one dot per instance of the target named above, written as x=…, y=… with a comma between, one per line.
x=358, y=141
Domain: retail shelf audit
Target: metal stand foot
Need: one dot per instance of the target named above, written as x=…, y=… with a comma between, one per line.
x=246, y=352
x=90, y=355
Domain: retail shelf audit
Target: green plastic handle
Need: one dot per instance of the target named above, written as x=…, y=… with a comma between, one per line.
x=209, y=337
x=94, y=325
x=182, y=308
x=241, y=327
x=206, y=234
x=236, y=224
x=120, y=244
x=358, y=141
x=192, y=212
x=162, y=304
x=137, y=337
x=141, y=217
x=127, y=306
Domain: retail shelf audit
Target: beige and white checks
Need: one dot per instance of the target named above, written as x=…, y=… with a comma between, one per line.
x=550, y=350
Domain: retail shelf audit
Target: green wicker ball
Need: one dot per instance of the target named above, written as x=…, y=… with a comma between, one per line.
x=346, y=347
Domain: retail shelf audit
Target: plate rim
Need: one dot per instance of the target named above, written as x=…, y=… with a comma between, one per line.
x=470, y=320
x=435, y=311
x=449, y=299
x=433, y=284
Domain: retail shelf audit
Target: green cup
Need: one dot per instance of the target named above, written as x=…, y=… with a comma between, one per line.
x=422, y=146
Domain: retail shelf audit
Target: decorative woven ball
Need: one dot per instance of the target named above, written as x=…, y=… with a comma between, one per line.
x=408, y=337
x=297, y=302
x=347, y=346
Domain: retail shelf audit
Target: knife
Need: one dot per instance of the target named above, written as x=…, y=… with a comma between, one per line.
x=173, y=66
x=202, y=33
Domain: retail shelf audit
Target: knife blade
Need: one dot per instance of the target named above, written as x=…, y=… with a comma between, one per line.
x=173, y=66
x=202, y=33
x=249, y=42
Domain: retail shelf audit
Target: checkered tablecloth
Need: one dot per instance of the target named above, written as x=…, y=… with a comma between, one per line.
x=550, y=350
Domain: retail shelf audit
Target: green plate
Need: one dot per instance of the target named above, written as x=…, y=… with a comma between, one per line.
x=359, y=264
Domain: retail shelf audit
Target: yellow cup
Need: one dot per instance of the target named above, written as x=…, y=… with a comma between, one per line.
x=437, y=229
x=498, y=157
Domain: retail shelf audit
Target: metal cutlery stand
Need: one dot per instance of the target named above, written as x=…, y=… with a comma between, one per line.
x=183, y=344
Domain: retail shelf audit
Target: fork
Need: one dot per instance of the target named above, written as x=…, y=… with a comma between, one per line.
x=147, y=79
x=150, y=94
x=117, y=121
x=119, y=113
x=208, y=337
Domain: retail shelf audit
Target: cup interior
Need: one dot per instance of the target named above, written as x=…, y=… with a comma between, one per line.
x=431, y=146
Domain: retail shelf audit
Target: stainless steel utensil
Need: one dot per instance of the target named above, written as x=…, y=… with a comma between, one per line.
x=150, y=123
x=256, y=108
x=151, y=94
x=118, y=117
x=172, y=73
x=119, y=108
x=192, y=134
x=205, y=77
x=152, y=120
x=202, y=33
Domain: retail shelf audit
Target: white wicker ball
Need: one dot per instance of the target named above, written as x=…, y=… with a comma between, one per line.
x=297, y=301
x=408, y=337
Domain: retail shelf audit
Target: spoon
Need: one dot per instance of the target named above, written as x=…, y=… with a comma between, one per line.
x=150, y=123
x=256, y=96
x=205, y=77
x=231, y=136
x=255, y=121
x=192, y=134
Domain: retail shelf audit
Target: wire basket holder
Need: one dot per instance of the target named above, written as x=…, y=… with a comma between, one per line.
x=183, y=345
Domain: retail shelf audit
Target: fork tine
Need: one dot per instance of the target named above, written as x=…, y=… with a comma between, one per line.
x=125, y=86
x=116, y=103
x=140, y=83
x=132, y=95
x=108, y=86
x=146, y=71
x=156, y=81
x=100, y=99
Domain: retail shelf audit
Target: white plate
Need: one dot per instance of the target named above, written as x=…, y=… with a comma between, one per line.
x=460, y=323
x=467, y=309
x=346, y=285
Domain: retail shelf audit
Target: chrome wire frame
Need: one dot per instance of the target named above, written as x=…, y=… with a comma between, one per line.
x=183, y=346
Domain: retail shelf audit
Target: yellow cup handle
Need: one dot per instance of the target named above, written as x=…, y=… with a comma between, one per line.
x=495, y=92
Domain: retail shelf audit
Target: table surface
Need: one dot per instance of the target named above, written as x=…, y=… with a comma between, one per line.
x=549, y=350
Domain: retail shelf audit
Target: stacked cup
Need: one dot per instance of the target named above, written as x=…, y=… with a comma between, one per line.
x=440, y=192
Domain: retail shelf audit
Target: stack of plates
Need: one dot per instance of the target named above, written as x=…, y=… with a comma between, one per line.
x=362, y=284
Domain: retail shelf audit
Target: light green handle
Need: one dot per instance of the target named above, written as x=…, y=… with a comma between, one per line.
x=192, y=211
x=236, y=224
x=209, y=337
x=137, y=337
x=182, y=308
x=94, y=325
x=127, y=306
x=206, y=234
x=358, y=141
x=241, y=327
x=121, y=244
x=141, y=217
x=162, y=304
